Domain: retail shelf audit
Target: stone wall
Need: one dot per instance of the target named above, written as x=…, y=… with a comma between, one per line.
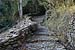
x=13, y=38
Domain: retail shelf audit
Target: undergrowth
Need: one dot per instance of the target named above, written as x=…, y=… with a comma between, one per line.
x=58, y=17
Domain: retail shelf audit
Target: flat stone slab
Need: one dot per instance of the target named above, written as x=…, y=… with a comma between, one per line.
x=42, y=30
x=39, y=38
x=38, y=19
x=44, y=46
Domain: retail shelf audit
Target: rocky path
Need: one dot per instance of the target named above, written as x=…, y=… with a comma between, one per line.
x=42, y=39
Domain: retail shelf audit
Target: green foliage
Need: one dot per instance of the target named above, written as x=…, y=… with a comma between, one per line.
x=58, y=16
x=7, y=7
x=7, y=11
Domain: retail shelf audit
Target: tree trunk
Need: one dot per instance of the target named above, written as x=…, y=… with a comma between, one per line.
x=20, y=9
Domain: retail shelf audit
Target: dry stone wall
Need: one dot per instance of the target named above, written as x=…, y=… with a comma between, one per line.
x=13, y=38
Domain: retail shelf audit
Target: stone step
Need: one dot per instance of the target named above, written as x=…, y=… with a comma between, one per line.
x=39, y=46
x=38, y=19
x=44, y=46
x=43, y=30
x=41, y=38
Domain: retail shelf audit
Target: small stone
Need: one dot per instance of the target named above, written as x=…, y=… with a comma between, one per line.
x=29, y=23
x=7, y=43
x=15, y=45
